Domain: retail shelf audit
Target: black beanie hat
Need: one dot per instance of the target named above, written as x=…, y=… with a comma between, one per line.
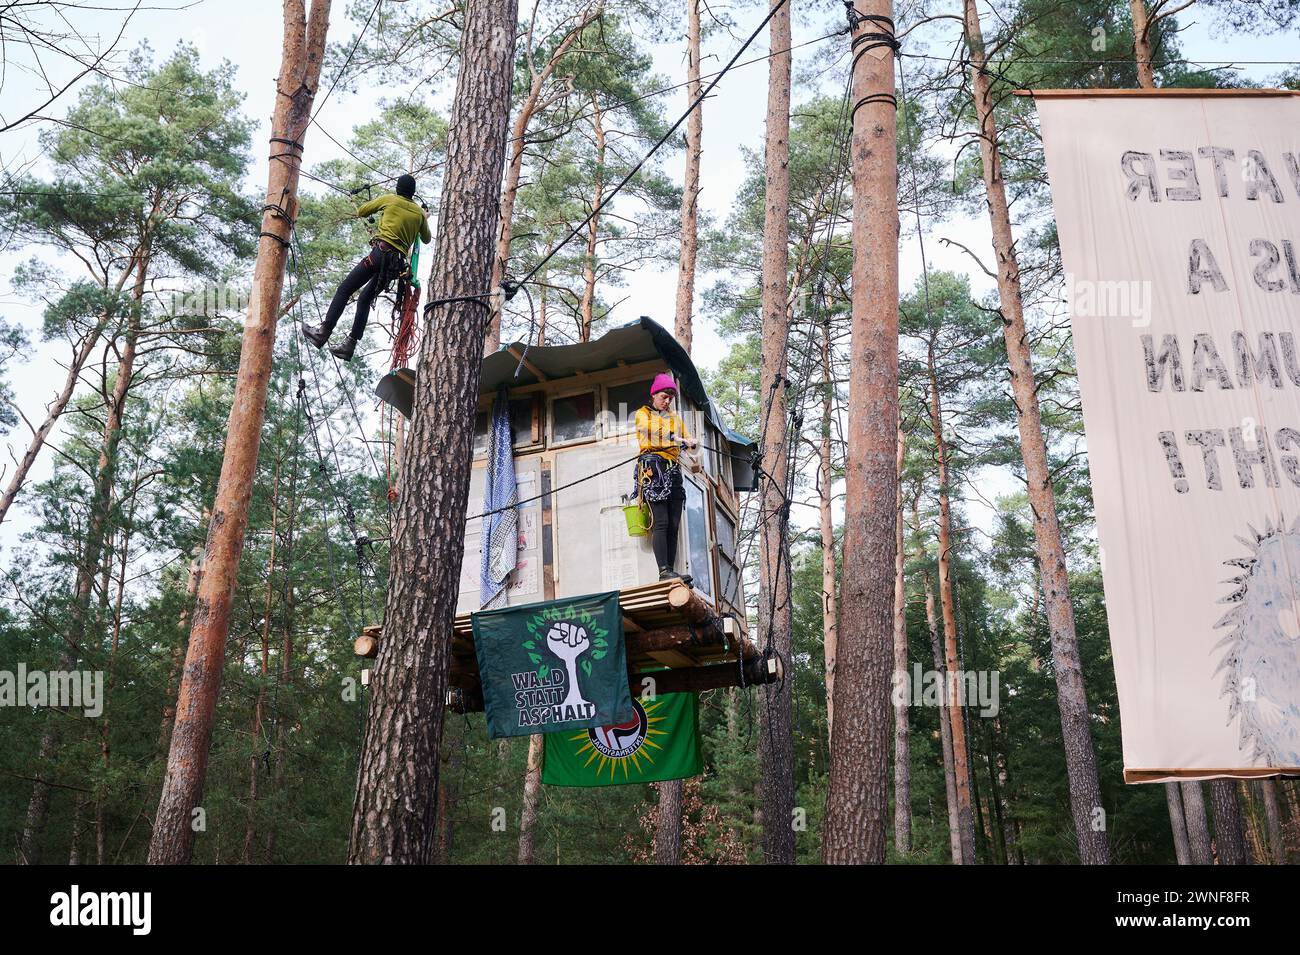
x=406, y=185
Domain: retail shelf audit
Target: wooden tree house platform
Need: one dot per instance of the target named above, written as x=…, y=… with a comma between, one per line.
x=672, y=636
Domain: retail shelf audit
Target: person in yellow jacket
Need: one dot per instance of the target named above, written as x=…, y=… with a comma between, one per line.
x=661, y=434
x=400, y=224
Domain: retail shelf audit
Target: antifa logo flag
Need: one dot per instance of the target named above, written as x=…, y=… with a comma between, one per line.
x=662, y=741
x=558, y=665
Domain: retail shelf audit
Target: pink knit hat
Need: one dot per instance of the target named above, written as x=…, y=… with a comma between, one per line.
x=663, y=382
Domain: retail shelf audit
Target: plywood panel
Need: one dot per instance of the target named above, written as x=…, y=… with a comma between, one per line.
x=593, y=551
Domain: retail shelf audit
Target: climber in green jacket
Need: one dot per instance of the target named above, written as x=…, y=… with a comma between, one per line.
x=399, y=226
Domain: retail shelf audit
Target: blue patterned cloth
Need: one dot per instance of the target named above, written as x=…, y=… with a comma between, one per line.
x=499, y=544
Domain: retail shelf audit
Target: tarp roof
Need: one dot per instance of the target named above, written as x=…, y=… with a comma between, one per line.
x=641, y=340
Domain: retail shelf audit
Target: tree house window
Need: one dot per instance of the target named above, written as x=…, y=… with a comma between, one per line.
x=525, y=424
x=699, y=565
x=622, y=402
x=724, y=529
x=573, y=418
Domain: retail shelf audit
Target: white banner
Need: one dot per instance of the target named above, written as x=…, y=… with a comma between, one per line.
x=1179, y=224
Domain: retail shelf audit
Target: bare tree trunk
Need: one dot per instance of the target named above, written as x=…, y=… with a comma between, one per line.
x=531, y=105
x=1257, y=843
x=691, y=182
x=857, y=801
x=945, y=732
x=1178, y=824
x=587, y=308
x=952, y=668
x=825, y=487
x=255, y=727
x=52, y=412
x=1229, y=838
x=1076, y=734
x=287, y=641
x=542, y=301
x=178, y=655
x=92, y=552
x=447, y=805
x=668, y=822
x=74, y=849
x=301, y=57
x=1142, y=26
x=397, y=780
x=902, y=755
x=532, y=785
x=1273, y=814
x=105, y=739
x=776, y=745
x=1198, y=824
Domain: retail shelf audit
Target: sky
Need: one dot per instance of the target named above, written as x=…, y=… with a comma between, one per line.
x=247, y=33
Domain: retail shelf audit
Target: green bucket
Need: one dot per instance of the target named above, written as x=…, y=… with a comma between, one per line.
x=637, y=517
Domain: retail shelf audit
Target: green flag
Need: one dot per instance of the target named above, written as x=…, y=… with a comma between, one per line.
x=661, y=741
x=552, y=666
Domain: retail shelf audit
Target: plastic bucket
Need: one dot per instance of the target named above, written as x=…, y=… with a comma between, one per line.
x=636, y=517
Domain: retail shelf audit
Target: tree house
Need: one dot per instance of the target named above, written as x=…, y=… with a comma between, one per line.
x=572, y=409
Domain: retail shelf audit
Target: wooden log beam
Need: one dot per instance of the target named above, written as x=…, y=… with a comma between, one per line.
x=367, y=645
x=756, y=672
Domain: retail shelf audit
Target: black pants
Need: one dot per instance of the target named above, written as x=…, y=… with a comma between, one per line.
x=663, y=534
x=371, y=275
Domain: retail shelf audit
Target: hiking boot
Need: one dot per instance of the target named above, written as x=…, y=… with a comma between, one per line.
x=345, y=348
x=315, y=334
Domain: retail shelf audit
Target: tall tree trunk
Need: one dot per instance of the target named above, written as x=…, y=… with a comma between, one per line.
x=587, y=307
x=1080, y=757
x=255, y=726
x=668, y=822
x=1229, y=837
x=1178, y=824
x=447, y=796
x=542, y=302
x=287, y=640
x=1273, y=815
x=514, y=168
x=825, y=487
x=74, y=848
x=1010, y=825
x=187, y=762
x=902, y=732
x=193, y=578
x=80, y=355
x=952, y=669
x=690, y=183
x=945, y=731
x=857, y=800
x=776, y=745
x=1198, y=823
x=105, y=738
x=532, y=787
x=997, y=820
x=92, y=552
x=397, y=781
x=1142, y=26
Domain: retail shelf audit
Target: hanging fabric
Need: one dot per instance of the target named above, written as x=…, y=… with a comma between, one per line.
x=499, y=543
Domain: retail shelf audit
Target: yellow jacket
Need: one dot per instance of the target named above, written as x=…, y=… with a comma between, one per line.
x=660, y=433
x=401, y=222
